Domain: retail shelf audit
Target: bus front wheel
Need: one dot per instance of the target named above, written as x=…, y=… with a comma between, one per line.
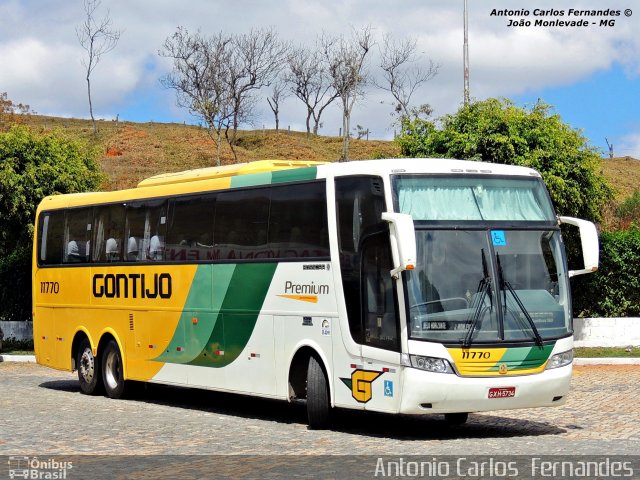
x=89, y=372
x=112, y=371
x=456, y=418
x=318, y=408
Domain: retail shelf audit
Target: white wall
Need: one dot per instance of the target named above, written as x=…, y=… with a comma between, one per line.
x=606, y=332
x=17, y=330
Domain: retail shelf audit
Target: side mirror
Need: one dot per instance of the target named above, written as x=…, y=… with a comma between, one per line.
x=403, y=241
x=590, y=244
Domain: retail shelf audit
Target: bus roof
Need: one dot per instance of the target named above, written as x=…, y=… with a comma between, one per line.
x=210, y=173
x=264, y=172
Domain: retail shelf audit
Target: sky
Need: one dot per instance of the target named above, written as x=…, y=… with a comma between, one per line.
x=590, y=74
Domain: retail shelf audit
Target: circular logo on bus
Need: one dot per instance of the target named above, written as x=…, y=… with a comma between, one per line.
x=503, y=369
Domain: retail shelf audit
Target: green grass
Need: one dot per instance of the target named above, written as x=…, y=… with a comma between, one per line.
x=605, y=352
x=11, y=346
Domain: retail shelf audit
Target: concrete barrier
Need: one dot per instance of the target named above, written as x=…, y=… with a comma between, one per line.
x=17, y=330
x=606, y=332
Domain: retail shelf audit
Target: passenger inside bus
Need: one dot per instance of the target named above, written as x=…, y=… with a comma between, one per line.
x=73, y=256
x=111, y=249
x=156, y=248
x=132, y=249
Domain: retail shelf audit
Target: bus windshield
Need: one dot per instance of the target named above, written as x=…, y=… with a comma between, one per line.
x=488, y=286
x=490, y=263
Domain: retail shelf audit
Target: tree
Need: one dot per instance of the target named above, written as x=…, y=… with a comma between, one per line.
x=346, y=66
x=98, y=38
x=498, y=131
x=200, y=77
x=216, y=77
x=402, y=76
x=33, y=166
x=9, y=110
x=278, y=94
x=256, y=60
x=308, y=80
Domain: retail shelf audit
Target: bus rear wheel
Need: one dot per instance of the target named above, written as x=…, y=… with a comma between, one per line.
x=89, y=371
x=318, y=408
x=112, y=371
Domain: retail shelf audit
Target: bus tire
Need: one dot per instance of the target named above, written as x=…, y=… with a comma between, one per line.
x=112, y=370
x=89, y=369
x=318, y=408
x=456, y=418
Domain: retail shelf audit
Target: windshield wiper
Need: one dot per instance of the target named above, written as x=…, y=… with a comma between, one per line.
x=504, y=283
x=484, y=287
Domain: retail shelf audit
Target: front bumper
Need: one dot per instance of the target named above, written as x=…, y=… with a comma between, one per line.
x=425, y=392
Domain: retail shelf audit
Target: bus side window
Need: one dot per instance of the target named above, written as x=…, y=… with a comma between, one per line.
x=380, y=310
x=359, y=206
x=51, y=237
x=298, y=221
x=107, y=245
x=241, y=217
x=190, y=228
x=77, y=236
x=145, y=230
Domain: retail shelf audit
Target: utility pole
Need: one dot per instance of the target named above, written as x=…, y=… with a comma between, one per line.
x=465, y=52
x=610, y=145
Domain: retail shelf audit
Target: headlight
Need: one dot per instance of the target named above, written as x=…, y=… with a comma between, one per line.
x=430, y=364
x=560, y=359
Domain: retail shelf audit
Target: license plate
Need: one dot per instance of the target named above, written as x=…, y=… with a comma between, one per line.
x=502, y=392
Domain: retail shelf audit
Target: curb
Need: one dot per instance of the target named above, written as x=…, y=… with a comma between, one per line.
x=18, y=358
x=576, y=361
x=606, y=361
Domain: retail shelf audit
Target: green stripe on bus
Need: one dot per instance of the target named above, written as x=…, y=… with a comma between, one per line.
x=240, y=309
x=522, y=358
x=251, y=180
x=294, y=175
x=208, y=288
x=537, y=356
x=279, y=176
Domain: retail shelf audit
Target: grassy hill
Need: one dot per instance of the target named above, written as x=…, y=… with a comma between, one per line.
x=134, y=151
x=623, y=174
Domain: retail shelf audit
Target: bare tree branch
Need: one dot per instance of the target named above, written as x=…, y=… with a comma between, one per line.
x=402, y=76
x=200, y=77
x=346, y=66
x=98, y=38
x=278, y=93
x=309, y=81
x=256, y=60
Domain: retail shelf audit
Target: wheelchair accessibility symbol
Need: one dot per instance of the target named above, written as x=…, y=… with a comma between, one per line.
x=498, y=237
x=388, y=388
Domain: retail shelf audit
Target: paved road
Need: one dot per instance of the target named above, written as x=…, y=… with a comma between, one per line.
x=43, y=413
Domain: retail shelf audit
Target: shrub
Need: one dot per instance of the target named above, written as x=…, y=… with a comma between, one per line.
x=629, y=210
x=33, y=166
x=614, y=290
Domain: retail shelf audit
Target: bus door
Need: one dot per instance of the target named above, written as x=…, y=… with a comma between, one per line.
x=380, y=325
x=371, y=375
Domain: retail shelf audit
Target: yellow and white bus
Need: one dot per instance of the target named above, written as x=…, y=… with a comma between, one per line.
x=409, y=286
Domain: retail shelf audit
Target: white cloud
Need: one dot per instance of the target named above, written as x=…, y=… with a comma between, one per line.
x=629, y=146
x=50, y=76
x=40, y=54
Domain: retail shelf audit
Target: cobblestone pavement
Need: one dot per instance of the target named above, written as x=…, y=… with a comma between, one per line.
x=43, y=413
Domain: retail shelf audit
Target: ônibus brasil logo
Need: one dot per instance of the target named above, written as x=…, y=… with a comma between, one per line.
x=33, y=468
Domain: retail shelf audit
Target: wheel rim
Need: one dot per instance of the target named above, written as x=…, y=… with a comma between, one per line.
x=87, y=365
x=112, y=370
